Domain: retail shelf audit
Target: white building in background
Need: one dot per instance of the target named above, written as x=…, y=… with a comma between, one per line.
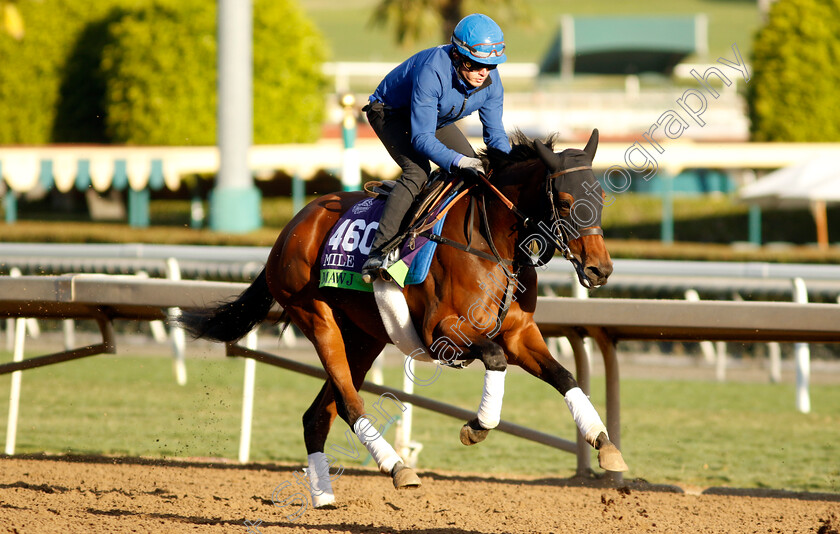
x=621, y=107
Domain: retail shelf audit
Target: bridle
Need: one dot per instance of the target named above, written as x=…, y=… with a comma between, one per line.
x=559, y=241
x=562, y=244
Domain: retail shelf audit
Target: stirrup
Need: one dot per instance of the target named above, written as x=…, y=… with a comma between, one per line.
x=376, y=264
x=371, y=268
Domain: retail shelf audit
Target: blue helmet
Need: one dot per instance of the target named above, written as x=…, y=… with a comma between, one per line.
x=480, y=39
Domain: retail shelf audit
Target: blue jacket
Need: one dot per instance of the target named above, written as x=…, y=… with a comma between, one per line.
x=428, y=84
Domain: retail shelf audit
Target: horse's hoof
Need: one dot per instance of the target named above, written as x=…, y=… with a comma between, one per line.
x=610, y=459
x=404, y=477
x=323, y=500
x=472, y=433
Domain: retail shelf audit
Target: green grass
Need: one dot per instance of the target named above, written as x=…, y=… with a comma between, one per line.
x=695, y=433
x=345, y=25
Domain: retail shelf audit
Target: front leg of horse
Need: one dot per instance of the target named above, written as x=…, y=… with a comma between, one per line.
x=609, y=457
x=490, y=408
x=527, y=349
x=316, y=425
x=592, y=428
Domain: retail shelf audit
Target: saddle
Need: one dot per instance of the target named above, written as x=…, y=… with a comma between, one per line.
x=433, y=193
x=349, y=241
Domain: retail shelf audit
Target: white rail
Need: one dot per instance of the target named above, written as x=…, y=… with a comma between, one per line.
x=99, y=254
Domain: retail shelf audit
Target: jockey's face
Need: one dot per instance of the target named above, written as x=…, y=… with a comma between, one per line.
x=474, y=73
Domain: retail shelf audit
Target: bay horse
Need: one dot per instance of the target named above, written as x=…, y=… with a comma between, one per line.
x=535, y=199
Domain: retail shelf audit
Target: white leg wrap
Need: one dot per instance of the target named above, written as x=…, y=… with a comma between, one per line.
x=320, y=485
x=490, y=408
x=587, y=419
x=383, y=454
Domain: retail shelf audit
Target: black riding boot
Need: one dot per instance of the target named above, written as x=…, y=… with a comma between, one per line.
x=396, y=209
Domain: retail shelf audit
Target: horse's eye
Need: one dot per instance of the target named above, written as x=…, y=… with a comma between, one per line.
x=564, y=206
x=564, y=203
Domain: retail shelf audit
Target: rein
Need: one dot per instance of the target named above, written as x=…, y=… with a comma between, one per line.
x=560, y=242
x=512, y=275
x=425, y=231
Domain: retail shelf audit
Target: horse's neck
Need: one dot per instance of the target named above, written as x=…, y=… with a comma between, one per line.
x=503, y=228
x=519, y=184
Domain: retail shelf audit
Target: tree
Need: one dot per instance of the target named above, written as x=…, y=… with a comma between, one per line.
x=144, y=72
x=792, y=95
x=50, y=89
x=413, y=19
x=12, y=21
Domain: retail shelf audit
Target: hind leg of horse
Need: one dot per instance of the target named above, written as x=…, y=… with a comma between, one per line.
x=362, y=350
x=317, y=420
x=334, y=344
x=527, y=349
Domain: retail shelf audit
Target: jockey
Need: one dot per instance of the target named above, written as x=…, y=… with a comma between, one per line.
x=413, y=112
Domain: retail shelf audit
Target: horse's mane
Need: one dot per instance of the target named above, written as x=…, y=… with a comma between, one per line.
x=521, y=149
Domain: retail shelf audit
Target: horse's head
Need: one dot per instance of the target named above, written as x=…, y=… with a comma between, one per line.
x=574, y=199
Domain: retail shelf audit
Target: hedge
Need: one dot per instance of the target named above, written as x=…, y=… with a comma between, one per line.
x=49, y=87
x=792, y=95
x=143, y=72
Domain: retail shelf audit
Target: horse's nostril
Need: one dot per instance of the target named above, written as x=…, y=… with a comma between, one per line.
x=599, y=274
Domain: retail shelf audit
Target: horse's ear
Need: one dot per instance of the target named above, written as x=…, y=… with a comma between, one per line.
x=551, y=160
x=592, y=144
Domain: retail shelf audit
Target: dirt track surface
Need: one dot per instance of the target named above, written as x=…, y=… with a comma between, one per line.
x=94, y=495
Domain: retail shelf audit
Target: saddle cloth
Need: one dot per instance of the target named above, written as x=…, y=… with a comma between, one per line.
x=348, y=247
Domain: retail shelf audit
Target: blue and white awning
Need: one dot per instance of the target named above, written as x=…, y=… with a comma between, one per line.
x=26, y=168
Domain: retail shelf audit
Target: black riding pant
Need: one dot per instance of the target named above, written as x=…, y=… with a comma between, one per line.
x=393, y=127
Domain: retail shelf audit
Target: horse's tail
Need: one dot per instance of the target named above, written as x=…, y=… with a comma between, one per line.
x=231, y=320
